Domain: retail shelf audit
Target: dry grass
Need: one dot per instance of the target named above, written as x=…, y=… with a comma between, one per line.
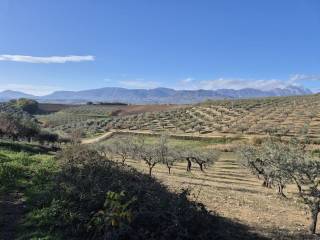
x=230, y=190
x=136, y=109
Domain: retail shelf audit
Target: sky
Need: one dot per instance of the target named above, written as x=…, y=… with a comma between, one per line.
x=48, y=45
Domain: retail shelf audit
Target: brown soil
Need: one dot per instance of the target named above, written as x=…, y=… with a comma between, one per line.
x=135, y=109
x=233, y=192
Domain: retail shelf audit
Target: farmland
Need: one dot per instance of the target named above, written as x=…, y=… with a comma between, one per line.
x=238, y=165
x=285, y=116
x=227, y=187
x=92, y=120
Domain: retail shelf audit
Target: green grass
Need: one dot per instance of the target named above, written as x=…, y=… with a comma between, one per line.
x=180, y=142
x=17, y=169
x=24, y=170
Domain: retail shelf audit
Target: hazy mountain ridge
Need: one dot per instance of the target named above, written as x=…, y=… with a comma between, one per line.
x=157, y=95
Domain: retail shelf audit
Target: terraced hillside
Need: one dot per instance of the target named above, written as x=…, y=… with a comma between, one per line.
x=286, y=116
x=233, y=192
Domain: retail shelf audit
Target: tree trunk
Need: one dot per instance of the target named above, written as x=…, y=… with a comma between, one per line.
x=169, y=168
x=280, y=191
x=189, y=165
x=298, y=186
x=314, y=217
x=201, y=166
x=269, y=183
x=150, y=171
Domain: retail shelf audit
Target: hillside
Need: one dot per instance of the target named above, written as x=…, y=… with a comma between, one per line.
x=285, y=116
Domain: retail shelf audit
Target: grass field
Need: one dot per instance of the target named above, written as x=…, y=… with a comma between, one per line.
x=176, y=142
x=24, y=173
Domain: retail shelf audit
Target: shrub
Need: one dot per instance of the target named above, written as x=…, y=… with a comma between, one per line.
x=94, y=198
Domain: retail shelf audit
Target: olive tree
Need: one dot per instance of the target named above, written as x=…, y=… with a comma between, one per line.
x=148, y=154
x=249, y=157
x=285, y=163
x=204, y=158
x=122, y=148
x=306, y=172
x=198, y=156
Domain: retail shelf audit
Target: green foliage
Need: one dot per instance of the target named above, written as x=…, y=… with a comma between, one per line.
x=16, y=123
x=278, y=116
x=115, y=214
x=63, y=122
x=282, y=163
x=93, y=198
x=28, y=105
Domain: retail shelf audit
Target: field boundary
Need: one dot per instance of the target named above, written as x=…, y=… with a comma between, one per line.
x=112, y=133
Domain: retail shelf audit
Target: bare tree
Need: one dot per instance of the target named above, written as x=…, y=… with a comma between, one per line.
x=148, y=154
x=123, y=148
x=166, y=155
x=76, y=136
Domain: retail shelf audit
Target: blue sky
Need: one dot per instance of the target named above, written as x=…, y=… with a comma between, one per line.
x=50, y=45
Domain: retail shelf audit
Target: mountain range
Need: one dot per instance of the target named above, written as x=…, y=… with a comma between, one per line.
x=153, y=96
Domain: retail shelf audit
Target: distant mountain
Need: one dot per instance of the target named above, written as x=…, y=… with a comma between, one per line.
x=9, y=95
x=157, y=95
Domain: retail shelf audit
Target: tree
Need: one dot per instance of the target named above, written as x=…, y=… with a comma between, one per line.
x=199, y=156
x=123, y=148
x=204, y=158
x=29, y=128
x=306, y=172
x=250, y=158
x=148, y=154
x=284, y=163
x=185, y=154
x=276, y=155
x=28, y=105
x=76, y=136
x=243, y=127
x=164, y=153
x=45, y=136
x=9, y=126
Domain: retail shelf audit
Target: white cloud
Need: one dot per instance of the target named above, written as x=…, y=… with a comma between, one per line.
x=242, y=83
x=50, y=59
x=304, y=77
x=37, y=90
x=187, y=80
x=238, y=83
x=138, y=83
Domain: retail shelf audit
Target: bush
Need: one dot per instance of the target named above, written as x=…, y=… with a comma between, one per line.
x=257, y=141
x=28, y=105
x=94, y=198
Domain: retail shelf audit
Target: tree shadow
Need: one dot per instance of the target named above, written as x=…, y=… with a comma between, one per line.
x=25, y=147
x=79, y=190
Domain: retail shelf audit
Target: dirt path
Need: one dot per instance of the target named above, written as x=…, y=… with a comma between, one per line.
x=98, y=139
x=11, y=213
